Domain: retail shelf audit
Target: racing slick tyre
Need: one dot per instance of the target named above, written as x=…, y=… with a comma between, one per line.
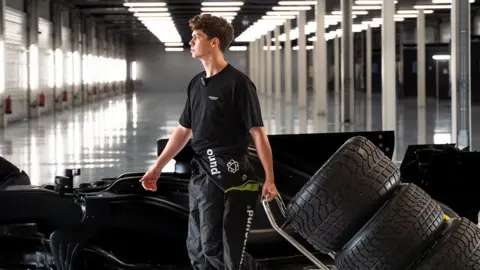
x=396, y=236
x=343, y=194
x=458, y=247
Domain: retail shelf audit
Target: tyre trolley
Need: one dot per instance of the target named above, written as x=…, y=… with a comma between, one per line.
x=271, y=218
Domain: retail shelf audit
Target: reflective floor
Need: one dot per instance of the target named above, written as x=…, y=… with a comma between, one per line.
x=119, y=134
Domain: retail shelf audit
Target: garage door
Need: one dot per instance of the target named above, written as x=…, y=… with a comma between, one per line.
x=15, y=53
x=97, y=69
x=68, y=57
x=77, y=61
x=45, y=57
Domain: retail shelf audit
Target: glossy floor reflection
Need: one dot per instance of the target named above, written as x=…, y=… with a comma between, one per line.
x=414, y=125
x=119, y=135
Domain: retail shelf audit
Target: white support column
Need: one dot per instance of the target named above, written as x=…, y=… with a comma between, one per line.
x=336, y=64
x=251, y=74
x=421, y=126
x=453, y=72
x=347, y=92
x=269, y=64
x=320, y=61
x=460, y=62
x=3, y=116
x=255, y=62
x=277, y=65
x=302, y=61
x=368, y=75
x=388, y=66
x=421, y=88
x=263, y=67
x=288, y=63
x=253, y=48
x=368, y=62
x=258, y=60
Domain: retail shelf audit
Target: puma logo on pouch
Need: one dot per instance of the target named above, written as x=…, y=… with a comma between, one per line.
x=212, y=162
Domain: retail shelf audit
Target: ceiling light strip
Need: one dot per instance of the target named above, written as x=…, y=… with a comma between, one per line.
x=300, y=3
x=173, y=44
x=447, y=1
x=215, y=4
x=432, y=6
x=145, y=4
x=371, y=2
x=354, y=12
x=160, y=24
x=221, y=14
x=153, y=14
x=361, y=7
x=226, y=10
x=238, y=48
x=174, y=49
x=291, y=8
x=220, y=9
x=148, y=9
x=411, y=11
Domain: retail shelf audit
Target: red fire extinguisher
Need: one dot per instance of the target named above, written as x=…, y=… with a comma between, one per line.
x=8, y=105
x=41, y=100
x=65, y=95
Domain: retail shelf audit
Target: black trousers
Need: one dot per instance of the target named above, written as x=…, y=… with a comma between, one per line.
x=223, y=195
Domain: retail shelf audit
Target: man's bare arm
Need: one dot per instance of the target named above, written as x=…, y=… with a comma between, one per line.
x=175, y=144
x=264, y=151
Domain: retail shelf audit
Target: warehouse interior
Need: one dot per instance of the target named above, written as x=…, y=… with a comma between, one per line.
x=71, y=66
x=93, y=85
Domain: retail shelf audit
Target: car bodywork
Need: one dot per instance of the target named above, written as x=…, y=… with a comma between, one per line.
x=447, y=174
x=113, y=223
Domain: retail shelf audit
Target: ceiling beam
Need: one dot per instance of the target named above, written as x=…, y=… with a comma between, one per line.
x=114, y=14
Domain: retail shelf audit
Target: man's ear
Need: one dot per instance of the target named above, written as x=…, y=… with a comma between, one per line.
x=215, y=42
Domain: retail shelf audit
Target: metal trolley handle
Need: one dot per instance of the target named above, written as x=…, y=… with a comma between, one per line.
x=290, y=239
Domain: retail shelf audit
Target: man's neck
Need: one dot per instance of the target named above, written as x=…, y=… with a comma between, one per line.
x=214, y=65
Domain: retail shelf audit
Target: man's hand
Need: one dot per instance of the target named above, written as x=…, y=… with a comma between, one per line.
x=149, y=180
x=265, y=153
x=269, y=190
x=177, y=141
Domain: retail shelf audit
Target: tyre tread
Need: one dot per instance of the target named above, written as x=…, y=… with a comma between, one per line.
x=393, y=238
x=343, y=194
x=458, y=248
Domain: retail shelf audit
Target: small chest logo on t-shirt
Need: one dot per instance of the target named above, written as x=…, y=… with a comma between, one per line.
x=212, y=97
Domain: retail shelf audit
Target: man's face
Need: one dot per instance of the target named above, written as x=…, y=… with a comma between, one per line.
x=200, y=45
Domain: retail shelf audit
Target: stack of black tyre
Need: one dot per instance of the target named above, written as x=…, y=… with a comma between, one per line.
x=357, y=209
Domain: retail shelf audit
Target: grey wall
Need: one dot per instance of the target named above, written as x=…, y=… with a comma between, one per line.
x=16, y=4
x=66, y=18
x=44, y=9
x=162, y=71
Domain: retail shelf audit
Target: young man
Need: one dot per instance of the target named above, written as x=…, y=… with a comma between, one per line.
x=223, y=115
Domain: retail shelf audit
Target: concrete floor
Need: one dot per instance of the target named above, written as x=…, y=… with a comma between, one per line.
x=119, y=134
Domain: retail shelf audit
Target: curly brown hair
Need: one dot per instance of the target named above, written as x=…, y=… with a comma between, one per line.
x=213, y=27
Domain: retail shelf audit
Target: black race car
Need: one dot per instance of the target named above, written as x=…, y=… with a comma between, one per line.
x=338, y=189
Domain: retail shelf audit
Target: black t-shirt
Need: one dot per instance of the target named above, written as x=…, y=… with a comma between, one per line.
x=221, y=110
